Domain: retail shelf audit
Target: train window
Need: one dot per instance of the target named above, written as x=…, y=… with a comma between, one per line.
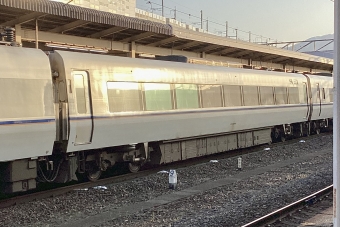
x=281, y=95
x=80, y=93
x=232, y=95
x=124, y=96
x=323, y=94
x=267, y=95
x=157, y=96
x=250, y=96
x=293, y=95
x=330, y=91
x=186, y=96
x=211, y=96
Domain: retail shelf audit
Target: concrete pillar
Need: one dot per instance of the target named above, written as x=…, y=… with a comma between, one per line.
x=203, y=55
x=132, y=53
x=250, y=62
x=18, y=33
x=36, y=34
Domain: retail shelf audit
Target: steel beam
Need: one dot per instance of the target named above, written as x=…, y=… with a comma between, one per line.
x=271, y=57
x=242, y=53
x=279, y=59
x=208, y=48
x=227, y=50
x=69, y=26
x=187, y=45
x=137, y=37
x=107, y=32
x=164, y=41
x=47, y=37
x=23, y=19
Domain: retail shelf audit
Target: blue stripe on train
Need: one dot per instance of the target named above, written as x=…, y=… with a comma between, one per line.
x=26, y=121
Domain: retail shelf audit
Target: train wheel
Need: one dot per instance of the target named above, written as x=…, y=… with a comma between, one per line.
x=316, y=128
x=93, y=174
x=278, y=135
x=307, y=133
x=298, y=132
x=282, y=137
x=134, y=167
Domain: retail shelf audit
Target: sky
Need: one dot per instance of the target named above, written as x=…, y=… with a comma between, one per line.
x=274, y=20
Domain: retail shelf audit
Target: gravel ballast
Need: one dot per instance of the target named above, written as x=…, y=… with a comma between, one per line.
x=232, y=205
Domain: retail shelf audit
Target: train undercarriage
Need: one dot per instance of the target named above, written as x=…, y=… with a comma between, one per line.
x=24, y=175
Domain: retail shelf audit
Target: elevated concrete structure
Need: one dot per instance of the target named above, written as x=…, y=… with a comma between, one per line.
x=123, y=7
x=57, y=25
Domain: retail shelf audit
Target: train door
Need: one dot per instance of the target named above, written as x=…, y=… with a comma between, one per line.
x=83, y=104
x=308, y=90
x=306, y=99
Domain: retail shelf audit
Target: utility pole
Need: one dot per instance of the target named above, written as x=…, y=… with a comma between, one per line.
x=226, y=29
x=201, y=19
x=175, y=13
x=162, y=8
x=36, y=34
x=336, y=119
x=207, y=24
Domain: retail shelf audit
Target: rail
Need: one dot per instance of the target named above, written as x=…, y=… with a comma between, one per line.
x=285, y=211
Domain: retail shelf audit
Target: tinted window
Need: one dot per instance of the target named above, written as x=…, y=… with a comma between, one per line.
x=250, y=96
x=157, y=96
x=211, y=96
x=232, y=95
x=281, y=95
x=186, y=96
x=267, y=95
x=124, y=96
x=293, y=93
x=80, y=93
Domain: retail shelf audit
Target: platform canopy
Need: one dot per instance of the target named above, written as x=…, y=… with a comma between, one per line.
x=75, y=21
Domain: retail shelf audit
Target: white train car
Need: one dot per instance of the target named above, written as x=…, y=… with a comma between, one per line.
x=135, y=101
x=113, y=109
x=321, y=97
x=27, y=116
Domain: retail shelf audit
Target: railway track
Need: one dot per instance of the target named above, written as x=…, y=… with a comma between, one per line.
x=285, y=216
x=59, y=190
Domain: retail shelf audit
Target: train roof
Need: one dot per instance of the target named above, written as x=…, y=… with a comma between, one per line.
x=28, y=63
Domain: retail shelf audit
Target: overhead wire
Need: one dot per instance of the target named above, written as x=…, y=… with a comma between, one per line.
x=204, y=20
